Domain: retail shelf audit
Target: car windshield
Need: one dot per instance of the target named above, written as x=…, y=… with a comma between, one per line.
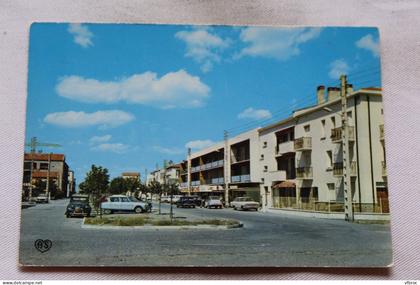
x=79, y=199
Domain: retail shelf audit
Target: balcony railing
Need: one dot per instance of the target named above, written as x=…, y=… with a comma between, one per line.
x=384, y=168
x=195, y=183
x=303, y=143
x=336, y=134
x=338, y=169
x=381, y=132
x=304, y=173
x=219, y=180
x=207, y=166
x=285, y=147
x=241, y=178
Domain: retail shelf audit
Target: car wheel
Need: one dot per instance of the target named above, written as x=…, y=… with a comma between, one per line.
x=107, y=211
x=67, y=216
x=177, y=206
x=138, y=210
x=193, y=207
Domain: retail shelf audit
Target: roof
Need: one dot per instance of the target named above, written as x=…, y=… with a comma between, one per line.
x=375, y=91
x=285, y=184
x=44, y=156
x=130, y=174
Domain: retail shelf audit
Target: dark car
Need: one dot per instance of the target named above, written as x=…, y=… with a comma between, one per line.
x=188, y=202
x=78, y=206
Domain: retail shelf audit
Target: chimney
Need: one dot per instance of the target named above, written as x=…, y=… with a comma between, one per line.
x=333, y=93
x=349, y=89
x=320, y=94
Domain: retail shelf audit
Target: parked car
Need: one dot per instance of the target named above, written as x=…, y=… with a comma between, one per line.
x=123, y=203
x=167, y=199
x=188, y=202
x=244, y=203
x=213, y=202
x=78, y=206
x=42, y=198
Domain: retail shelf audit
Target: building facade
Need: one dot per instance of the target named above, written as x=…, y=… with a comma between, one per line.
x=297, y=163
x=38, y=167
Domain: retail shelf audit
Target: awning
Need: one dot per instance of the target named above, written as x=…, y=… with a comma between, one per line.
x=285, y=184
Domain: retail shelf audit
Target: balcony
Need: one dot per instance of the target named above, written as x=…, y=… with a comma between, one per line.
x=336, y=134
x=303, y=143
x=381, y=132
x=338, y=169
x=241, y=178
x=183, y=185
x=384, y=168
x=303, y=173
x=239, y=158
x=285, y=147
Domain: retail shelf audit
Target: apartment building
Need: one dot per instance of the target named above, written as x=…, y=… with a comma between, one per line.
x=168, y=175
x=211, y=169
x=302, y=156
x=40, y=166
x=71, y=189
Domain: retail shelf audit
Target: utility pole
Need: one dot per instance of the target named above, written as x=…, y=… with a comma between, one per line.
x=189, y=171
x=348, y=197
x=226, y=166
x=48, y=177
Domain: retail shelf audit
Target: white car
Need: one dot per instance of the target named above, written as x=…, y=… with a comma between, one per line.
x=244, y=203
x=213, y=202
x=42, y=198
x=123, y=203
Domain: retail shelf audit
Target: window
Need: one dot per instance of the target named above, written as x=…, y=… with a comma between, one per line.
x=264, y=144
x=124, y=199
x=382, y=111
x=331, y=186
x=322, y=129
x=329, y=159
x=114, y=199
x=262, y=157
x=265, y=168
x=350, y=117
x=333, y=122
x=307, y=128
x=43, y=166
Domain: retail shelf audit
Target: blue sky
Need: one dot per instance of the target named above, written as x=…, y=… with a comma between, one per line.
x=129, y=96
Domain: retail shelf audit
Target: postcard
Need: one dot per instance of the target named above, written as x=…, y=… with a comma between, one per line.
x=158, y=145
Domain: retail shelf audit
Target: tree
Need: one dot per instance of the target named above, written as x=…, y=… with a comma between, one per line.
x=173, y=189
x=118, y=185
x=142, y=189
x=157, y=189
x=132, y=185
x=96, y=184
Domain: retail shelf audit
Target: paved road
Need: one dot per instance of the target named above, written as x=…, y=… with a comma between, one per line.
x=267, y=239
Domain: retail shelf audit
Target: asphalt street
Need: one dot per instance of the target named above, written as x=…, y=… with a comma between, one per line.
x=267, y=239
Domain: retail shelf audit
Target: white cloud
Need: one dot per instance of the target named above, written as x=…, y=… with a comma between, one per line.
x=337, y=68
x=174, y=89
x=278, y=43
x=81, y=35
x=170, y=151
x=203, y=46
x=112, y=147
x=367, y=42
x=199, y=144
x=103, y=119
x=100, y=139
x=256, y=114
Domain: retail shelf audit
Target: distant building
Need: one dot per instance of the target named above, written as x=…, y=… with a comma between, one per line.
x=168, y=175
x=71, y=189
x=40, y=166
x=131, y=175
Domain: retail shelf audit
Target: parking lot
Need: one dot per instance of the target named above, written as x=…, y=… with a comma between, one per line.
x=266, y=239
